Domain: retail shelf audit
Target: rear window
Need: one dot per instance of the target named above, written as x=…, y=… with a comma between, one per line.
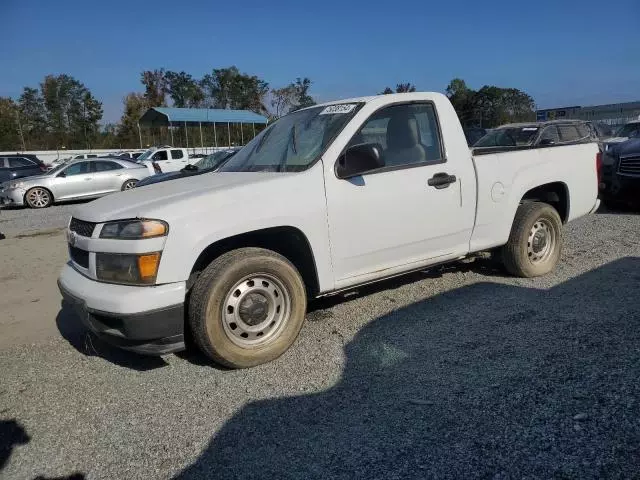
x=20, y=162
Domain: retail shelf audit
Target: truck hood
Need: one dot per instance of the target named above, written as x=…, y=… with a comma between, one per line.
x=166, y=200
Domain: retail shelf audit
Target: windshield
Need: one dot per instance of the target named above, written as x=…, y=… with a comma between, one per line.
x=508, y=137
x=57, y=168
x=629, y=130
x=214, y=160
x=146, y=155
x=293, y=142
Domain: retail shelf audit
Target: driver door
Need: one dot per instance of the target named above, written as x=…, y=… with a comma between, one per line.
x=399, y=217
x=75, y=181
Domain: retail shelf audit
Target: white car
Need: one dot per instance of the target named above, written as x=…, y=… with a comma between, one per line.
x=164, y=159
x=325, y=199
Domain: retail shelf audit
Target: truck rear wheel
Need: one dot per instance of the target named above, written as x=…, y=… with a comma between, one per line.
x=535, y=242
x=247, y=307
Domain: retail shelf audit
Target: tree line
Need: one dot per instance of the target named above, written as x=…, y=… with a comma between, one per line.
x=63, y=113
x=490, y=106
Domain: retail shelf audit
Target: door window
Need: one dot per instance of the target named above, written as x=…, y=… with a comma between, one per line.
x=77, y=169
x=4, y=163
x=407, y=133
x=176, y=154
x=549, y=136
x=106, y=166
x=20, y=162
x=160, y=155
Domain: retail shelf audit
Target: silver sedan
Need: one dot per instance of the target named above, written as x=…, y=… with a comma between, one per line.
x=75, y=180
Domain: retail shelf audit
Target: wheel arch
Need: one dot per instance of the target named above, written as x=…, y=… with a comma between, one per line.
x=555, y=194
x=288, y=241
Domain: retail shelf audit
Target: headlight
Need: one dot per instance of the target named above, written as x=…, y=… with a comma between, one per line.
x=14, y=185
x=131, y=269
x=134, y=229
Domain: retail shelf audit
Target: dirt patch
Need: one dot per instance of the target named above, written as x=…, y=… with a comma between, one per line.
x=29, y=298
x=41, y=233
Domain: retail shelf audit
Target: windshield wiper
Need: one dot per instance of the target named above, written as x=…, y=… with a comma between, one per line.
x=262, y=140
x=293, y=139
x=292, y=142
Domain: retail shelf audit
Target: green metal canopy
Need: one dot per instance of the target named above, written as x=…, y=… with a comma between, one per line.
x=165, y=116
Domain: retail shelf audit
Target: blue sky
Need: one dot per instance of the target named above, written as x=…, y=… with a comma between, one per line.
x=562, y=52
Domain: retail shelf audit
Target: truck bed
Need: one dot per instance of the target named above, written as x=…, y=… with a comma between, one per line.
x=502, y=178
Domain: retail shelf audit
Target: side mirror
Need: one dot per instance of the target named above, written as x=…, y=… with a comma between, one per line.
x=359, y=159
x=61, y=174
x=547, y=142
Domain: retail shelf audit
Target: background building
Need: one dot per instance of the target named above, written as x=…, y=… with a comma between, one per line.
x=612, y=114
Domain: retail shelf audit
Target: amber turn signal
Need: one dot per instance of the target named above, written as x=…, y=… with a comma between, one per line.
x=148, y=266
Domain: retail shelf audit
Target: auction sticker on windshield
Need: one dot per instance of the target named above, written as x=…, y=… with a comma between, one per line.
x=340, y=108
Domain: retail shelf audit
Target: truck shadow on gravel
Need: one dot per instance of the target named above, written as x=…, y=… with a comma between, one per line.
x=83, y=341
x=487, y=381
x=86, y=343
x=485, y=266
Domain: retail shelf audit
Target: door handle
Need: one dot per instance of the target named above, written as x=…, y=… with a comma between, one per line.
x=87, y=179
x=441, y=180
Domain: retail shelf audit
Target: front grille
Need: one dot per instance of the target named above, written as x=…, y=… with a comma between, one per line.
x=79, y=256
x=629, y=166
x=81, y=227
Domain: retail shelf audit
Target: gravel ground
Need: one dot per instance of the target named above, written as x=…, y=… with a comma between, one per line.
x=21, y=221
x=457, y=372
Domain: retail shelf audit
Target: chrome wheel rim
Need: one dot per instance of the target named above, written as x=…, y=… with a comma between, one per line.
x=38, y=197
x=541, y=242
x=130, y=184
x=255, y=310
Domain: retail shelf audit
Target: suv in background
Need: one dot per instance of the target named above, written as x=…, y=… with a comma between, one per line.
x=538, y=134
x=18, y=166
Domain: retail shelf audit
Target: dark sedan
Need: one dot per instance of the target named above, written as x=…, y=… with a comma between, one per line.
x=210, y=163
x=19, y=165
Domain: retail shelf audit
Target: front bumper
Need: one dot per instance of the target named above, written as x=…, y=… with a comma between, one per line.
x=148, y=320
x=12, y=198
x=620, y=187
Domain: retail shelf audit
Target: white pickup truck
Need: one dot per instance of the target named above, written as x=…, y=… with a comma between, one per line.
x=325, y=199
x=164, y=159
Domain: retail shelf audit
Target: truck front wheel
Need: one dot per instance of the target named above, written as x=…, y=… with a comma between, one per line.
x=535, y=242
x=247, y=307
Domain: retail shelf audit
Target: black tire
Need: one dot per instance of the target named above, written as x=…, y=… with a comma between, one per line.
x=210, y=327
x=129, y=184
x=517, y=254
x=38, y=197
